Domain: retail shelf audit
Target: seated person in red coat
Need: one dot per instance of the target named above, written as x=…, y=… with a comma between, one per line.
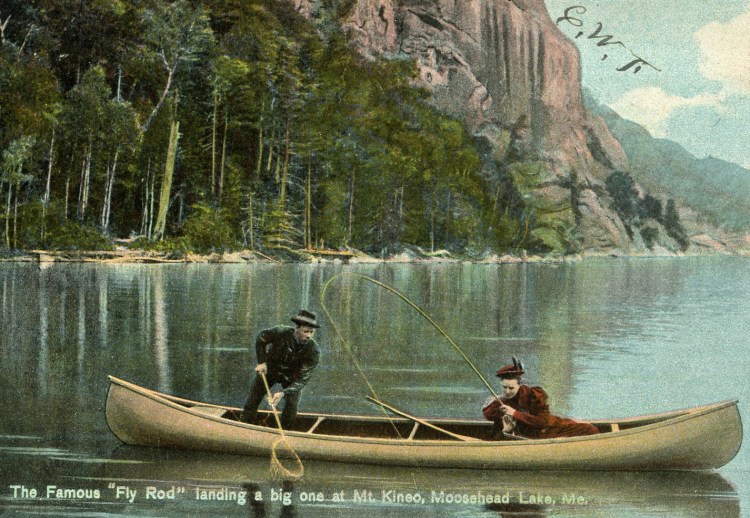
x=522, y=410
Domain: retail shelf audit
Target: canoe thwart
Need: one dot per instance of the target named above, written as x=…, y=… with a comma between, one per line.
x=396, y=411
x=319, y=420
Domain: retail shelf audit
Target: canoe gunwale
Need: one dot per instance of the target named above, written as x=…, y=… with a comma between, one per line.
x=658, y=421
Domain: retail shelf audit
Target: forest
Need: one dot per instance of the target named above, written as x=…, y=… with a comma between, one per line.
x=224, y=125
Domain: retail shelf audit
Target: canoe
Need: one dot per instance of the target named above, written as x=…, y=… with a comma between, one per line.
x=699, y=438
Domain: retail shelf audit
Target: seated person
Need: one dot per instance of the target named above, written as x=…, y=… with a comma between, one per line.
x=522, y=410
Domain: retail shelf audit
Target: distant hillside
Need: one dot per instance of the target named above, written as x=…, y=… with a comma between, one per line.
x=716, y=188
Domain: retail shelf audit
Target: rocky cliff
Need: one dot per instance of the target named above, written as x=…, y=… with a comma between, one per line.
x=505, y=68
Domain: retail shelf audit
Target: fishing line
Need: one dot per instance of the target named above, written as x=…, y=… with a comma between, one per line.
x=348, y=348
x=410, y=303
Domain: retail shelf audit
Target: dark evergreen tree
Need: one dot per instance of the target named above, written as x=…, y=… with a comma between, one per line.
x=674, y=227
x=621, y=187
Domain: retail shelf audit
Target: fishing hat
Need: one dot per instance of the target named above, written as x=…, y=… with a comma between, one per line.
x=305, y=318
x=513, y=370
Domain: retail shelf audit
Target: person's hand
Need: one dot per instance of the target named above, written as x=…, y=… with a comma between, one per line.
x=261, y=368
x=510, y=411
x=509, y=424
x=273, y=399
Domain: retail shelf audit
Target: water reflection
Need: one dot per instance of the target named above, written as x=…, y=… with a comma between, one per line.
x=507, y=493
x=199, y=321
x=161, y=334
x=518, y=510
x=43, y=365
x=581, y=330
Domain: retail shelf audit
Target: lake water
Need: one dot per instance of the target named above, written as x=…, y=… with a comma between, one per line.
x=604, y=337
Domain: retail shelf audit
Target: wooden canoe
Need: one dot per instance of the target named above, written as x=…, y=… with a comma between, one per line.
x=704, y=437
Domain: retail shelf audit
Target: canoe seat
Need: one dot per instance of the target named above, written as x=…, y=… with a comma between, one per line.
x=210, y=410
x=615, y=427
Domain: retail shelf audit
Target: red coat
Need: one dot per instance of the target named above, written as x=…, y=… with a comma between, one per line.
x=533, y=417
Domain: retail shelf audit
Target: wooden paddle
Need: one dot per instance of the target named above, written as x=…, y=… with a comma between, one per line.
x=420, y=421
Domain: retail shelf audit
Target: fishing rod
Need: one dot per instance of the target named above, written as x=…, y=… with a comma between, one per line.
x=410, y=303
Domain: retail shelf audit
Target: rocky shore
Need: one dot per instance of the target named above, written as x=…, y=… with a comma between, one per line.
x=411, y=254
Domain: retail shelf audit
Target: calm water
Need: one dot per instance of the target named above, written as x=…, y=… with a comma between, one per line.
x=606, y=338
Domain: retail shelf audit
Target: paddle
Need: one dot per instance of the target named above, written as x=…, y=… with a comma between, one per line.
x=277, y=468
x=420, y=421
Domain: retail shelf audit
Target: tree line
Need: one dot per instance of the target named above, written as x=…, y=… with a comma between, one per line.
x=634, y=211
x=218, y=125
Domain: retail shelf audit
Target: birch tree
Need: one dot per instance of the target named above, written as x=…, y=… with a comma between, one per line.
x=166, y=184
x=14, y=159
x=177, y=33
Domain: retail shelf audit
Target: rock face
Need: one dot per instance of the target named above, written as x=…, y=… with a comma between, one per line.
x=505, y=68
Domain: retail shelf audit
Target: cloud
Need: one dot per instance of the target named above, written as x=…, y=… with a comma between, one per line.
x=652, y=107
x=725, y=52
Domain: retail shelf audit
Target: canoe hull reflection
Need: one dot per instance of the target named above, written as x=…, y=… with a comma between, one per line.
x=687, y=494
x=705, y=437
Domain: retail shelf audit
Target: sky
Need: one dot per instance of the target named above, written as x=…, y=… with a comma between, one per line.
x=693, y=89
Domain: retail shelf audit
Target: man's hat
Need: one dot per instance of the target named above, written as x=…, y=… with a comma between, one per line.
x=513, y=370
x=305, y=318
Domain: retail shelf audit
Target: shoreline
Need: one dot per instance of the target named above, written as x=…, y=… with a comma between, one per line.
x=411, y=256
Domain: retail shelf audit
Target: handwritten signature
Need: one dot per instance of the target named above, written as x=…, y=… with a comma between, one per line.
x=604, y=40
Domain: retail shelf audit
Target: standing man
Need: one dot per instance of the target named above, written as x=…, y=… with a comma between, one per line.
x=287, y=356
x=523, y=409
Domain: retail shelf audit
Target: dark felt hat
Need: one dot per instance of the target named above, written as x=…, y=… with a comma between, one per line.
x=513, y=370
x=305, y=318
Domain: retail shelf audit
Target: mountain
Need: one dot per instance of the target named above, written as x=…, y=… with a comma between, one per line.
x=718, y=189
x=506, y=70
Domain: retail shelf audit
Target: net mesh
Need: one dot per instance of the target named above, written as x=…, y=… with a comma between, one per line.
x=285, y=462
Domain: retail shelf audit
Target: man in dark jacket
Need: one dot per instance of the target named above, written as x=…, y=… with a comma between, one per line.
x=523, y=409
x=287, y=356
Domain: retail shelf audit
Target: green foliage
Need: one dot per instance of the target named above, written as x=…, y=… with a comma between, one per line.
x=77, y=236
x=531, y=221
x=177, y=31
x=207, y=230
x=333, y=223
x=651, y=207
x=278, y=228
x=287, y=137
x=549, y=239
x=14, y=158
x=172, y=247
x=632, y=210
